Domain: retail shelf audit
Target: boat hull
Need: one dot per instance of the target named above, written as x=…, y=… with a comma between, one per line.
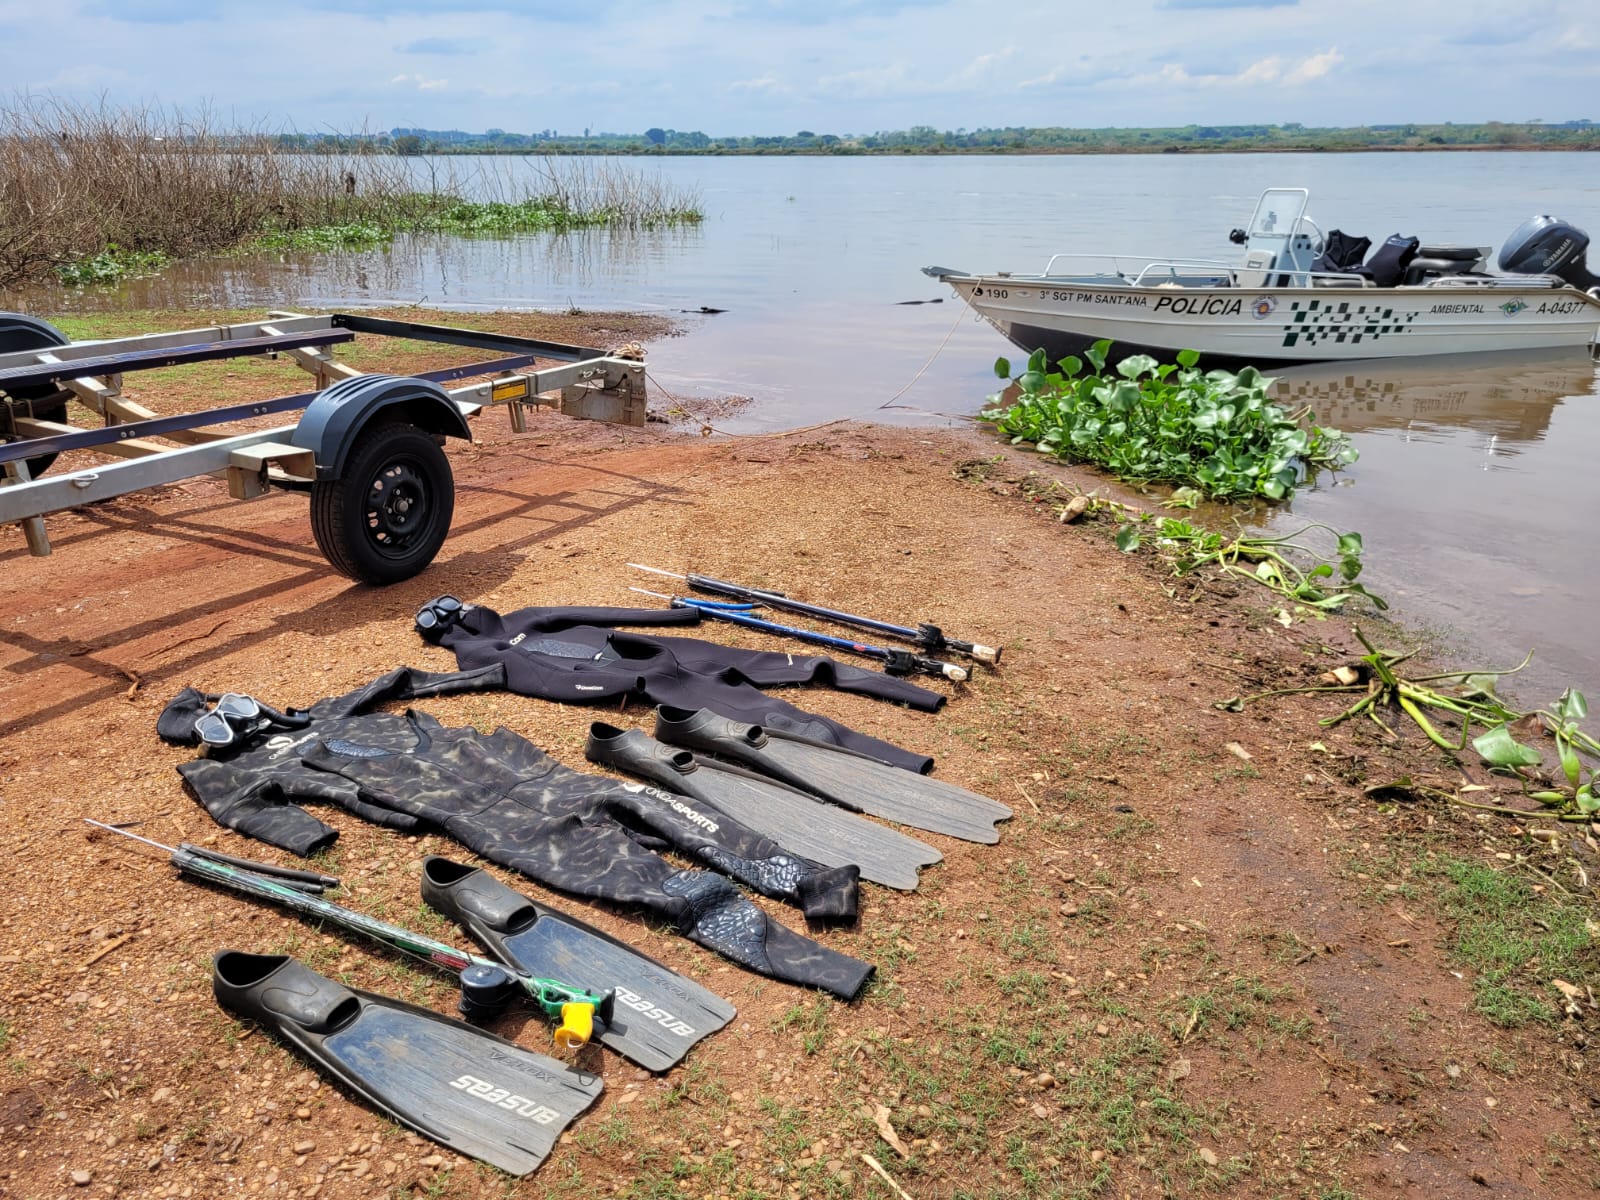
x=1270, y=328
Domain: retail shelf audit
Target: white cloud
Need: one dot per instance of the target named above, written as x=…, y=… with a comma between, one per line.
x=1274, y=69
x=1315, y=67
x=421, y=83
x=767, y=84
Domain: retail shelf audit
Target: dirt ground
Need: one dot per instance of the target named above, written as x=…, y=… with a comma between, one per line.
x=1200, y=961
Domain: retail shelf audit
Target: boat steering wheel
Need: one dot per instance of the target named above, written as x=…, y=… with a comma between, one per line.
x=1321, y=241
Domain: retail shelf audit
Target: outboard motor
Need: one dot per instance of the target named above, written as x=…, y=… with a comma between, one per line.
x=1549, y=246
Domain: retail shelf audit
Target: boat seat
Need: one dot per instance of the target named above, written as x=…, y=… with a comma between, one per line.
x=1423, y=268
x=1451, y=253
x=1253, y=272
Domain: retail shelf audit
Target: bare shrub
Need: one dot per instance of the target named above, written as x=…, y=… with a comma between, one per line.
x=78, y=179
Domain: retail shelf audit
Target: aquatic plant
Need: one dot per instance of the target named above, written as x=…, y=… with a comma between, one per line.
x=1216, y=431
x=110, y=265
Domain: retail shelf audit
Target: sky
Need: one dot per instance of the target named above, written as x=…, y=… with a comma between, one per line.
x=777, y=67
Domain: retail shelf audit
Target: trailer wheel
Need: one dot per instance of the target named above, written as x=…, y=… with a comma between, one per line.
x=387, y=516
x=41, y=400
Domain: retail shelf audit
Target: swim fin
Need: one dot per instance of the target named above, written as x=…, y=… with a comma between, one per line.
x=796, y=820
x=466, y=1089
x=840, y=776
x=658, y=1015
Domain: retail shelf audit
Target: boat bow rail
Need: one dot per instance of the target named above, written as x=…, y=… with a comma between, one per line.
x=367, y=448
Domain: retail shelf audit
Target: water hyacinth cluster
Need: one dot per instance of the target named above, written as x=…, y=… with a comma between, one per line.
x=1146, y=421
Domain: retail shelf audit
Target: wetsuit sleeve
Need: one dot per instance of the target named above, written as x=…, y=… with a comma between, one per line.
x=255, y=805
x=409, y=683
x=774, y=668
x=479, y=622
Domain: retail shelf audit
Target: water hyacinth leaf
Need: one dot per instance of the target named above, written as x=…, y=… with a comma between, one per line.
x=1097, y=354
x=1570, y=766
x=1128, y=539
x=1499, y=749
x=1002, y=367
x=1572, y=707
x=1358, y=589
x=1184, y=497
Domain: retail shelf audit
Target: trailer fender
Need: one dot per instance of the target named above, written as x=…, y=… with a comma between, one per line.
x=334, y=420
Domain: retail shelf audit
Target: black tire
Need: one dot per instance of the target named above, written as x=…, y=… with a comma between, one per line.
x=42, y=401
x=386, y=518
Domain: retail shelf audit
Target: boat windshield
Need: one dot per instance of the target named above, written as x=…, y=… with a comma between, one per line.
x=1278, y=212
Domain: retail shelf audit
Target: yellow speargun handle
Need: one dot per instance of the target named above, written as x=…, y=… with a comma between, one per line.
x=577, y=1026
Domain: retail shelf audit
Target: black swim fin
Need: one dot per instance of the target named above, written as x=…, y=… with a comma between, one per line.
x=466, y=1089
x=658, y=1015
x=839, y=776
x=796, y=820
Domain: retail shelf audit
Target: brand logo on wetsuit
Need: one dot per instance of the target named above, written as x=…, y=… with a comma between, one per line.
x=646, y=1008
x=284, y=742
x=516, y=640
x=677, y=805
x=502, y=1098
x=589, y=687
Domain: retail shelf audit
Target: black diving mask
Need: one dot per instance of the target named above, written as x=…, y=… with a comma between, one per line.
x=439, y=614
x=236, y=718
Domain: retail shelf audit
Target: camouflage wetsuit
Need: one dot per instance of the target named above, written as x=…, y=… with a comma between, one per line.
x=575, y=656
x=509, y=801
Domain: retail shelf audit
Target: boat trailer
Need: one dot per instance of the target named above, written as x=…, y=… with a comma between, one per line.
x=366, y=447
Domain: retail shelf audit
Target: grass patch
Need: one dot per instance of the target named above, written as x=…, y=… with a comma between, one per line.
x=1515, y=940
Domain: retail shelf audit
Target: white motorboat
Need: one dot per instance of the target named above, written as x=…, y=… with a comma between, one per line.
x=1297, y=295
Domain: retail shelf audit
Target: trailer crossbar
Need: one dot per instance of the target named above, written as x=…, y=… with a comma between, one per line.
x=476, y=339
x=147, y=360
x=89, y=438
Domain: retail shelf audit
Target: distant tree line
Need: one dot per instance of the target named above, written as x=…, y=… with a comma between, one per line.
x=1580, y=134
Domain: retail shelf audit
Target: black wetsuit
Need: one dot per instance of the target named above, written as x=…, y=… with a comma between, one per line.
x=576, y=656
x=506, y=799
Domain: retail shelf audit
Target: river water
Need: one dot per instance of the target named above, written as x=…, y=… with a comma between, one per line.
x=1476, y=491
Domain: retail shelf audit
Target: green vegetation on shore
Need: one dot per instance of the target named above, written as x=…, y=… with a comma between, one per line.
x=1011, y=139
x=1146, y=422
x=90, y=195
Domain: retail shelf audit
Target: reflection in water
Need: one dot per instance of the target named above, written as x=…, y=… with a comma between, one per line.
x=1508, y=397
x=1476, y=496
x=525, y=271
